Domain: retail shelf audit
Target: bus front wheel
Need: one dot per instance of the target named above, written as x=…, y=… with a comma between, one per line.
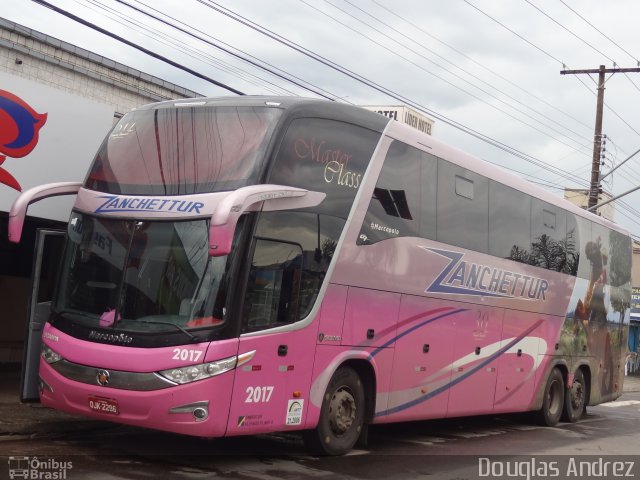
x=341, y=415
x=553, y=400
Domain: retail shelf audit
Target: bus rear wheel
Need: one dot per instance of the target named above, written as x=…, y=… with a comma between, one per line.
x=575, y=399
x=341, y=415
x=552, y=401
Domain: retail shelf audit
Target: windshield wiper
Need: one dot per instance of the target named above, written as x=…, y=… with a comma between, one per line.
x=192, y=337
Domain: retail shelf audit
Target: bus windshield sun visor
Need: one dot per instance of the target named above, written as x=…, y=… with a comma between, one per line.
x=19, y=208
x=272, y=197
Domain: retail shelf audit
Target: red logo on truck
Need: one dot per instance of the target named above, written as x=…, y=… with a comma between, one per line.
x=19, y=128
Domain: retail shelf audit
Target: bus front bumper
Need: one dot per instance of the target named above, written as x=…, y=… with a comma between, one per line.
x=199, y=408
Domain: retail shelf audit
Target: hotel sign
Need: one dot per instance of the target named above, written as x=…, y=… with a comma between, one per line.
x=404, y=115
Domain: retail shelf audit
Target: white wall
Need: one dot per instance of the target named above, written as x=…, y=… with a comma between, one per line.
x=68, y=141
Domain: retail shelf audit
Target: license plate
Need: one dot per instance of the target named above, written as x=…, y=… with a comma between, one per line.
x=104, y=405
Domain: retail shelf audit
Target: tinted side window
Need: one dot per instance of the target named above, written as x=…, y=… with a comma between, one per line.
x=548, y=236
x=273, y=289
x=394, y=210
x=463, y=207
x=429, y=196
x=578, y=233
x=509, y=223
x=291, y=256
x=327, y=156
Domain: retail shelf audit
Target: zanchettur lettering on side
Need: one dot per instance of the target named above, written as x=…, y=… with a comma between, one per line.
x=466, y=278
x=114, y=203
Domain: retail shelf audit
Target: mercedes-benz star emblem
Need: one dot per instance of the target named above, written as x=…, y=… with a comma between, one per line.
x=102, y=377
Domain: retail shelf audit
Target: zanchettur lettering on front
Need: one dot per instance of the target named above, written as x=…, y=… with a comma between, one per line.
x=115, y=203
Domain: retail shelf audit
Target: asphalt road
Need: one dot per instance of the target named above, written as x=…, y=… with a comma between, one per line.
x=67, y=447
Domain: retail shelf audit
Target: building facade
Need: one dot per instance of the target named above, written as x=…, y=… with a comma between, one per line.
x=70, y=97
x=35, y=56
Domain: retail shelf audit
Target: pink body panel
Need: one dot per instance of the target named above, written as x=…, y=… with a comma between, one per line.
x=476, y=344
x=270, y=388
x=332, y=315
x=517, y=366
x=146, y=409
x=422, y=360
x=370, y=318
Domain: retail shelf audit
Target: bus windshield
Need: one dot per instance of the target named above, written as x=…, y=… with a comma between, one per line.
x=142, y=276
x=185, y=150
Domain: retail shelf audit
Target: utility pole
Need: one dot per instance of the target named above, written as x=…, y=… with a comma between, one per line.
x=597, y=135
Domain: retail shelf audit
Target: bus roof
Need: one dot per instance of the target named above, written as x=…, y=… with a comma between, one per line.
x=302, y=107
x=294, y=106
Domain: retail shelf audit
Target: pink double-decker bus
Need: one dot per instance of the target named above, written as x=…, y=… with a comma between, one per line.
x=244, y=265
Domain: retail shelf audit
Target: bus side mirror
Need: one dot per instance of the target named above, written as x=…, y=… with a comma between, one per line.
x=252, y=198
x=19, y=208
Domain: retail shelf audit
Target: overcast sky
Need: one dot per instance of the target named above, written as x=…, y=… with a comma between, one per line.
x=499, y=79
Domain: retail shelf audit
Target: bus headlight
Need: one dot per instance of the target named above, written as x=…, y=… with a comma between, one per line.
x=49, y=355
x=193, y=373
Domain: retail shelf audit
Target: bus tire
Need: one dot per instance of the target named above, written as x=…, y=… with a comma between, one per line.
x=342, y=415
x=575, y=399
x=552, y=400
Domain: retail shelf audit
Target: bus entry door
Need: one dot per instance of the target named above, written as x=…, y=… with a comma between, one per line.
x=270, y=392
x=47, y=255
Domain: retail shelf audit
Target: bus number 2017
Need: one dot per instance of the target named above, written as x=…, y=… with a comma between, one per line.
x=184, y=354
x=258, y=394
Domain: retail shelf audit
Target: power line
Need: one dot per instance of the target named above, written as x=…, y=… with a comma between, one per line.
x=568, y=30
x=442, y=118
x=547, y=54
x=589, y=45
x=601, y=33
x=445, y=80
x=172, y=42
x=635, y=59
x=490, y=85
x=270, y=34
x=632, y=82
x=514, y=32
x=479, y=64
x=472, y=132
x=244, y=57
x=137, y=47
x=629, y=208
